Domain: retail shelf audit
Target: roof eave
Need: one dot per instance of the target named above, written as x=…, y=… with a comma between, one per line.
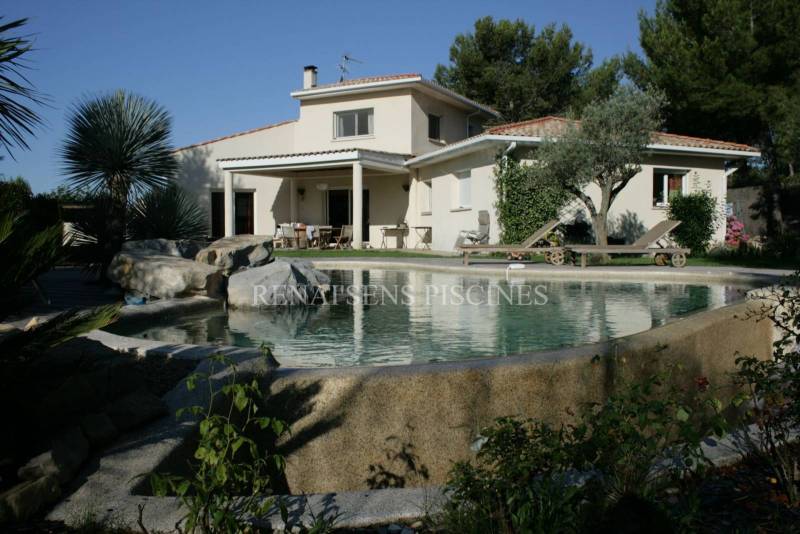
x=703, y=151
x=370, y=159
x=478, y=142
x=466, y=147
x=325, y=92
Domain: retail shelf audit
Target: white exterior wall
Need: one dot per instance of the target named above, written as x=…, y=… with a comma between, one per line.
x=453, y=123
x=634, y=203
x=199, y=174
x=392, y=123
x=445, y=218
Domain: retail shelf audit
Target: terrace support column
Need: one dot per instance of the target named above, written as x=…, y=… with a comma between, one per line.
x=293, y=200
x=228, y=204
x=358, y=204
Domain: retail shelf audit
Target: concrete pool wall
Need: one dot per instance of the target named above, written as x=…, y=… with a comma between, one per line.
x=365, y=427
x=346, y=420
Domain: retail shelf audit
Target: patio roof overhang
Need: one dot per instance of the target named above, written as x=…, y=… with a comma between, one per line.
x=370, y=159
x=483, y=141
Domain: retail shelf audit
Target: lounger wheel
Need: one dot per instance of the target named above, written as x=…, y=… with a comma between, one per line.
x=661, y=260
x=557, y=257
x=679, y=259
x=548, y=257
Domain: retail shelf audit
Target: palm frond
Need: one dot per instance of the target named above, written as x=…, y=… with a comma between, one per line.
x=167, y=213
x=56, y=330
x=17, y=119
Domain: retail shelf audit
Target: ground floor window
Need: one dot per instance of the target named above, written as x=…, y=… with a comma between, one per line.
x=426, y=197
x=667, y=184
x=340, y=209
x=463, y=193
x=217, y=214
x=244, y=213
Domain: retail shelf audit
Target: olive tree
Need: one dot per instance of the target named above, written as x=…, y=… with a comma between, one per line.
x=605, y=147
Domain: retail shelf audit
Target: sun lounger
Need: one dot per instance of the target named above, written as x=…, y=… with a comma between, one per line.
x=476, y=237
x=652, y=243
x=553, y=254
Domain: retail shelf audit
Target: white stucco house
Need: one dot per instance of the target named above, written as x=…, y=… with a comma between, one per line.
x=375, y=151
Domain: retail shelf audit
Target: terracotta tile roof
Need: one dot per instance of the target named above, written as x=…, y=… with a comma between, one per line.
x=237, y=134
x=317, y=153
x=553, y=126
x=368, y=79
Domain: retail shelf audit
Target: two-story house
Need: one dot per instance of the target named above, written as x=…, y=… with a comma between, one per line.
x=375, y=151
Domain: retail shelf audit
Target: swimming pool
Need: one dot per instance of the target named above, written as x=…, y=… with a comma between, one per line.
x=417, y=316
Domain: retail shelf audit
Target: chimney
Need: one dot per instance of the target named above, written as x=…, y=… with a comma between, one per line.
x=309, y=76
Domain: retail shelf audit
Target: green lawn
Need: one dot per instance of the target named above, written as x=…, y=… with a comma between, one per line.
x=698, y=261
x=353, y=253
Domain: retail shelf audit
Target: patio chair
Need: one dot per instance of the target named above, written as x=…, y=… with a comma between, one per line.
x=278, y=239
x=553, y=254
x=288, y=238
x=479, y=236
x=344, y=238
x=654, y=243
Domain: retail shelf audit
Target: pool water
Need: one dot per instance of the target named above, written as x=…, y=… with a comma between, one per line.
x=416, y=316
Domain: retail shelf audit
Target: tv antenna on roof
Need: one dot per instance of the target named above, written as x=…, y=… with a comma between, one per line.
x=344, y=65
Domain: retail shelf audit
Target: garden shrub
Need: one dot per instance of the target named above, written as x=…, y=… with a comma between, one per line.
x=524, y=203
x=698, y=213
x=532, y=477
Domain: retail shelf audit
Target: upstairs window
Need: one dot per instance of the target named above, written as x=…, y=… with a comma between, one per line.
x=666, y=185
x=434, y=127
x=354, y=123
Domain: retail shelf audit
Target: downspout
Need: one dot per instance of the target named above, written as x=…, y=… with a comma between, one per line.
x=509, y=149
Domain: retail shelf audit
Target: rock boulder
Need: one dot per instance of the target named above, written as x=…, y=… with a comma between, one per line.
x=235, y=252
x=279, y=283
x=164, y=276
x=180, y=248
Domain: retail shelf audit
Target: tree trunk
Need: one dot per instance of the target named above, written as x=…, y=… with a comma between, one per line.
x=116, y=227
x=600, y=220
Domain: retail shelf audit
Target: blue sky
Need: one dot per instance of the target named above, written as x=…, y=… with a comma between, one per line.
x=222, y=67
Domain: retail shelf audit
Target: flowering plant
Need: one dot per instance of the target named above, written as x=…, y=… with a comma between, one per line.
x=734, y=233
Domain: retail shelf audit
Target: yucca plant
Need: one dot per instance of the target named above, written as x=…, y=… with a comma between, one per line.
x=17, y=118
x=118, y=145
x=167, y=213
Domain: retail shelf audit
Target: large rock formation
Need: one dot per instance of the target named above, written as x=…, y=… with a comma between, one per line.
x=279, y=283
x=164, y=276
x=235, y=252
x=181, y=248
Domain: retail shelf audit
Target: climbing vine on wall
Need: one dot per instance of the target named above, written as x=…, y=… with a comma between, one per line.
x=524, y=203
